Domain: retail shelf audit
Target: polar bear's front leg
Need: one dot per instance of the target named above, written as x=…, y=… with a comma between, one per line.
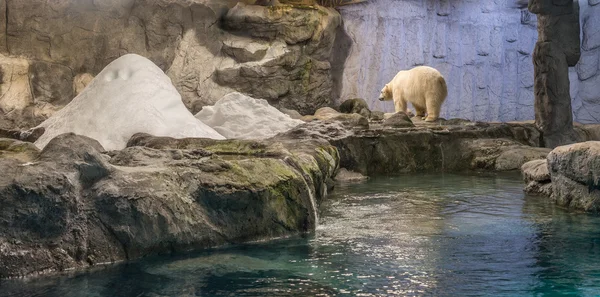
x=400, y=103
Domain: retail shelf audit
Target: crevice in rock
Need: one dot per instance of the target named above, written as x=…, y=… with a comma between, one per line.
x=112, y=233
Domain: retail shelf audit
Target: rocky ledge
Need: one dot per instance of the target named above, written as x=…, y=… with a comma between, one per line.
x=395, y=143
x=75, y=205
x=569, y=176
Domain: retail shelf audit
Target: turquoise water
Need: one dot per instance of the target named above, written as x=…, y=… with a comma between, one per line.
x=418, y=235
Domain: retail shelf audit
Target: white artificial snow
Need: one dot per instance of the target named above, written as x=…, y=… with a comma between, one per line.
x=242, y=117
x=131, y=95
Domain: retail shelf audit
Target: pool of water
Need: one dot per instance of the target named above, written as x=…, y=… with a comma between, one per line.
x=417, y=235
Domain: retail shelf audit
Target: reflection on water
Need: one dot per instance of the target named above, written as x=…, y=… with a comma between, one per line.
x=418, y=235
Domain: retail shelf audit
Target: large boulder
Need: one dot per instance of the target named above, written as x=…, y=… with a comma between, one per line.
x=356, y=105
x=501, y=154
x=130, y=95
x=575, y=174
x=242, y=117
x=398, y=120
x=329, y=114
x=537, y=177
x=77, y=205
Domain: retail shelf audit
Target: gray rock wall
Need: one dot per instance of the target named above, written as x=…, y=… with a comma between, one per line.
x=585, y=77
x=483, y=48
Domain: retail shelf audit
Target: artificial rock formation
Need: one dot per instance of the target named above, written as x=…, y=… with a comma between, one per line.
x=49, y=50
x=75, y=205
x=356, y=105
x=557, y=49
x=444, y=146
x=586, y=83
x=537, y=178
x=570, y=176
x=282, y=54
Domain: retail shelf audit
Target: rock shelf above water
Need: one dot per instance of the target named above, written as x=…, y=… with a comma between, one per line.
x=75, y=205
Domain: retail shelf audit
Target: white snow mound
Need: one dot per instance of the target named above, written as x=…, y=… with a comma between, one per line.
x=131, y=95
x=242, y=117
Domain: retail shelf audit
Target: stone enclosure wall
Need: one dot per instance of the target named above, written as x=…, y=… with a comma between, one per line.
x=483, y=48
x=585, y=77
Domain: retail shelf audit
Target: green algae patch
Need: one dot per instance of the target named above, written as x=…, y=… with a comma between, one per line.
x=247, y=188
x=259, y=172
x=15, y=149
x=305, y=74
x=244, y=148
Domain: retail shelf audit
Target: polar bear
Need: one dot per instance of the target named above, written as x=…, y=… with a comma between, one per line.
x=423, y=86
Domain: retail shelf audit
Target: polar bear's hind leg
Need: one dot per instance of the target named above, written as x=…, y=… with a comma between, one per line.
x=433, y=110
x=419, y=110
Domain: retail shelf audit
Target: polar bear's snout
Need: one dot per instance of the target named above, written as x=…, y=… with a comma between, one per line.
x=382, y=94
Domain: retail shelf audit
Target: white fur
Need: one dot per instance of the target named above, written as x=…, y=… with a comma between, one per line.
x=423, y=86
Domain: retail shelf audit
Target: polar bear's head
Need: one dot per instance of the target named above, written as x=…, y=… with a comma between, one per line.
x=386, y=93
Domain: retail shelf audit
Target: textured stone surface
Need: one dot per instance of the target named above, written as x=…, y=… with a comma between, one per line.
x=398, y=120
x=274, y=23
x=575, y=175
x=356, y=105
x=557, y=48
x=570, y=176
x=74, y=205
x=536, y=170
x=483, y=48
x=587, y=85
x=30, y=135
x=77, y=206
x=48, y=50
x=295, y=71
x=328, y=114
x=344, y=175
x=444, y=146
x=537, y=177
x=22, y=151
x=514, y=158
